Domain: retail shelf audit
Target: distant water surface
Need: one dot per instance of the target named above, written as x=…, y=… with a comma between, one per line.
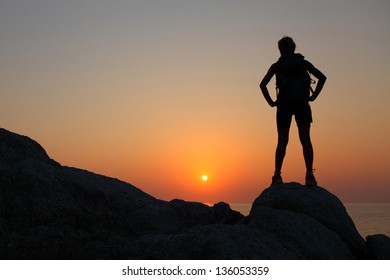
x=369, y=218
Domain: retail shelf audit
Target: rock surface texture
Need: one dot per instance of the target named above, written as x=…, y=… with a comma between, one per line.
x=49, y=211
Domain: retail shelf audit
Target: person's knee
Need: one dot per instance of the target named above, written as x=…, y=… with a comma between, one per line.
x=306, y=143
x=304, y=135
x=282, y=142
x=283, y=135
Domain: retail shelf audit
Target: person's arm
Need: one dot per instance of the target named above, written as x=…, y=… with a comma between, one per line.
x=321, y=80
x=264, y=83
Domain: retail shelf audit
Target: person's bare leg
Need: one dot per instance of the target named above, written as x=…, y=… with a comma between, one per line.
x=281, y=148
x=308, y=154
x=304, y=136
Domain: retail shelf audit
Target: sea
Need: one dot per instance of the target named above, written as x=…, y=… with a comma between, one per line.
x=369, y=218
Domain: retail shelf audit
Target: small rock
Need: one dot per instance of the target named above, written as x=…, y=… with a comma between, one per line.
x=378, y=246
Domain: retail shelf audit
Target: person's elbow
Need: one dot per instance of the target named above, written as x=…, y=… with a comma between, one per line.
x=263, y=85
x=322, y=77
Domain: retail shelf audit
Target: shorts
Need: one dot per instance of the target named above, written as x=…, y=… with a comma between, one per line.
x=285, y=112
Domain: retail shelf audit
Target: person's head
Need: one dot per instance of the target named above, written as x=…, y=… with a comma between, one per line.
x=286, y=45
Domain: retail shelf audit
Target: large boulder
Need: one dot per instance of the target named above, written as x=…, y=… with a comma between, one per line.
x=309, y=220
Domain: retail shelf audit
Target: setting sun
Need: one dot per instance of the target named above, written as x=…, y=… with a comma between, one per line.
x=204, y=178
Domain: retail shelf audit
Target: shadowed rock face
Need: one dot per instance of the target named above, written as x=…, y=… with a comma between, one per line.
x=378, y=246
x=308, y=219
x=48, y=211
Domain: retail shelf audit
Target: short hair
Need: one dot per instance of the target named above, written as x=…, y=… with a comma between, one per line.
x=286, y=45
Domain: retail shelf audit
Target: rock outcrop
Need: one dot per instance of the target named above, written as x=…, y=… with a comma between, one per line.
x=49, y=211
x=310, y=221
x=378, y=246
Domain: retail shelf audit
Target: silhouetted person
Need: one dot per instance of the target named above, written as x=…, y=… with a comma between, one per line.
x=293, y=95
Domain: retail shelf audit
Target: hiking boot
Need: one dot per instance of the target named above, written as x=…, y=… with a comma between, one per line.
x=277, y=180
x=310, y=181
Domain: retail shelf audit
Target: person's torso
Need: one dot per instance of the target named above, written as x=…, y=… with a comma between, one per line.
x=292, y=79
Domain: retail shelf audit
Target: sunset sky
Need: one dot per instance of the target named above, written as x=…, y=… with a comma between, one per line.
x=159, y=93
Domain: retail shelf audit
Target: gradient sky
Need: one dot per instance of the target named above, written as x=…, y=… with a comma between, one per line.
x=158, y=93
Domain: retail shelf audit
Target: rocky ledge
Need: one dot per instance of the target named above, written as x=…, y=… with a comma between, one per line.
x=49, y=211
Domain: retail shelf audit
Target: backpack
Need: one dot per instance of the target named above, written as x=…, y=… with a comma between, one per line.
x=293, y=81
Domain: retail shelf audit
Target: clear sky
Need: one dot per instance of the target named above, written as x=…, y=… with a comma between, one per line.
x=159, y=93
